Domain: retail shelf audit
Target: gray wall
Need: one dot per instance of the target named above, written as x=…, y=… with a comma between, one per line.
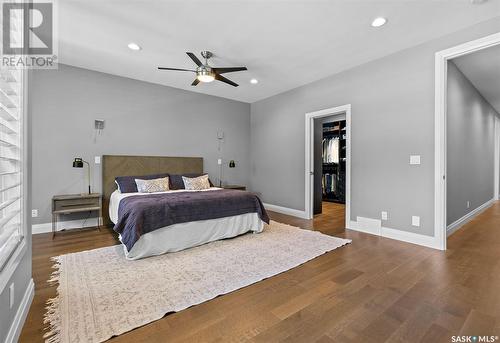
x=392, y=117
x=141, y=119
x=470, y=146
x=22, y=275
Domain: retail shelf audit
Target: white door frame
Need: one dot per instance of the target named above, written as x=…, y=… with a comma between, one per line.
x=309, y=161
x=496, y=187
x=441, y=60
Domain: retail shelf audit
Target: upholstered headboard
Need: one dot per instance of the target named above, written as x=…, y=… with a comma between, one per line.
x=117, y=165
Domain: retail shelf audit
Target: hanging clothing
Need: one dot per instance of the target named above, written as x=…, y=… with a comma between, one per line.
x=331, y=150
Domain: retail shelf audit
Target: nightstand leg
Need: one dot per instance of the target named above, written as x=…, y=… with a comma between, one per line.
x=99, y=220
x=54, y=224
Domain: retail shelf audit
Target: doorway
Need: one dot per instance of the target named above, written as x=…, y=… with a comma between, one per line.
x=334, y=182
x=442, y=174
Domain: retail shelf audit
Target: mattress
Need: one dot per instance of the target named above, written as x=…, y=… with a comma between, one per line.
x=185, y=235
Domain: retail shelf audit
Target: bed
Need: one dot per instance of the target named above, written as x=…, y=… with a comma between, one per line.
x=156, y=223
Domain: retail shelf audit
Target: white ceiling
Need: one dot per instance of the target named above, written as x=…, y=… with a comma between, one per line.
x=482, y=68
x=284, y=44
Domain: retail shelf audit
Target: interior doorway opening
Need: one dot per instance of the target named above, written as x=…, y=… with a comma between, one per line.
x=328, y=165
x=443, y=221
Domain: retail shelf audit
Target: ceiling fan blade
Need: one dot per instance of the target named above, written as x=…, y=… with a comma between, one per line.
x=195, y=82
x=194, y=58
x=228, y=70
x=177, y=69
x=223, y=79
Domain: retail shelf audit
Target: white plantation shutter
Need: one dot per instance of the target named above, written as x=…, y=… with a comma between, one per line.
x=11, y=153
x=11, y=163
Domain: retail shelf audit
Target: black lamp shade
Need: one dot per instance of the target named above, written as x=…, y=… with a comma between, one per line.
x=78, y=163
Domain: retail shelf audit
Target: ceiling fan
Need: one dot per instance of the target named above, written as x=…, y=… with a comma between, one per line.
x=205, y=73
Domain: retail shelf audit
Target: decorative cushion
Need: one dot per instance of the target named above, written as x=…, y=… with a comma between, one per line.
x=196, y=183
x=152, y=186
x=126, y=184
x=176, y=181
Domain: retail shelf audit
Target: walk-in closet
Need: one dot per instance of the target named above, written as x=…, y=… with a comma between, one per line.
x=334, y=161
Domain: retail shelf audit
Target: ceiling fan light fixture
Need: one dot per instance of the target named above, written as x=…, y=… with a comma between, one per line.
x=205, y=75
x=206, y=78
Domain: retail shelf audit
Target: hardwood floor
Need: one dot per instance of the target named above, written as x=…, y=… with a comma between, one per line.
x=373, y=290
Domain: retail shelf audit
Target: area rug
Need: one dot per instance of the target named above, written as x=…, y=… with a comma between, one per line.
x=101, y=294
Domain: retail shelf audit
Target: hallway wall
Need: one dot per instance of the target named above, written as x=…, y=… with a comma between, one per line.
x=470, y=147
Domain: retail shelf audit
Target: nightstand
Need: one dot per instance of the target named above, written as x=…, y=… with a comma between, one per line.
x=74, y=203
x=238, y=187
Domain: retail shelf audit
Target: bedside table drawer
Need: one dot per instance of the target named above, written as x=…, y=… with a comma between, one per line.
x=72, y=204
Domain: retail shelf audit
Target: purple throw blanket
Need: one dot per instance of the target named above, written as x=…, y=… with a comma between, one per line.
x=140, y=214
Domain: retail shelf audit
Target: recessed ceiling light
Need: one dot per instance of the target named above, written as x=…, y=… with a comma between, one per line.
x=254, y=81
x=134, y=46
x=380, y=21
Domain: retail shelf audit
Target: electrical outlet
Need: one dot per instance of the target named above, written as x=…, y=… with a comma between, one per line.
x=97, y=160
x=34, y=213
x=415, y=220
x=384, y=215
x=11, y=295
x=468, y=204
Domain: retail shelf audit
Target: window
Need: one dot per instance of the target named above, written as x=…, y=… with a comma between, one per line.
x=11, y=163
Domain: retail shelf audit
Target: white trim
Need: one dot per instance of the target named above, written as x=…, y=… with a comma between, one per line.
x=409, y=237
x=374, y=227
x=309, y=158
x=496, y=158
x=468, y=217
x=286, y=210
x=65, y=225
x=441, y=59
x=21, y=314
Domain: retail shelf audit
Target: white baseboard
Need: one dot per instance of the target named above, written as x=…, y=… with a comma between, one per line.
x=21, y=314
x=410, y=237
x=468, y=217
x=286, y=210
x=66, y=225
x=374, y=227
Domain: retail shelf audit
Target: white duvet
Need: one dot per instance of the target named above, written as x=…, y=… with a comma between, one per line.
x=185, y=235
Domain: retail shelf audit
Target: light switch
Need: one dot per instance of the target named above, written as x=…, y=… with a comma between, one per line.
x=219, y=161
x=97, y=160
x=384, y=215
x=415, y=220
x=414, y=159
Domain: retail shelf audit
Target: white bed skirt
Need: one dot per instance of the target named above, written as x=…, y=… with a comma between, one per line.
x=186, y=235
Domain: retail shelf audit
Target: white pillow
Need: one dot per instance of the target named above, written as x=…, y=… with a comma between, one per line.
x=153, y=185
x=118, y=186
x=196, y=183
